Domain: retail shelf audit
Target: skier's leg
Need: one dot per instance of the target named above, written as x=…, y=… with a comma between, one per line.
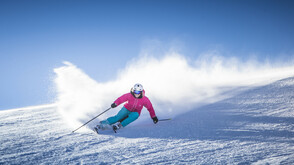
x=120, y=115
x=123, y=119
x=132, y=117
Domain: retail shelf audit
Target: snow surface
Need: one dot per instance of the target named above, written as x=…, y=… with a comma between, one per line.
x=254, y=127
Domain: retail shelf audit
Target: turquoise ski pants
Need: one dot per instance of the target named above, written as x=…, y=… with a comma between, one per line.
x=132, y=116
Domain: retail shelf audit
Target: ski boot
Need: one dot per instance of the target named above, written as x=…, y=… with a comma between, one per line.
x=96, y=129
x=116, y=126
x=103, y=125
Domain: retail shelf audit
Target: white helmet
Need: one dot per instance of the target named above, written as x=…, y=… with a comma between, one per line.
x=138, y=88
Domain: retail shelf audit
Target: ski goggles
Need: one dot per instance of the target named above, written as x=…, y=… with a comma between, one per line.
x=137, y=92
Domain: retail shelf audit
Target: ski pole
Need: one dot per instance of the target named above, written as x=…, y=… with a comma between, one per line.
x=91, y=120
x=164, y=119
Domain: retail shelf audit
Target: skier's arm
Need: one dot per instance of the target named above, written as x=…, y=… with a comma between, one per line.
x=121, y=99
x=150, y=108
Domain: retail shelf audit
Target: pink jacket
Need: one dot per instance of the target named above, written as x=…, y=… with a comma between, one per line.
x=136, y=104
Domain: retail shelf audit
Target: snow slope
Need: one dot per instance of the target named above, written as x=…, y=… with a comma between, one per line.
x=254, y=127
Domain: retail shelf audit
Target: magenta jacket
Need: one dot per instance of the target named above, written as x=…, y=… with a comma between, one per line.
x=136, y=104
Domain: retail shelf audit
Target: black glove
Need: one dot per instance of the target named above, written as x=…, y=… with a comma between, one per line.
x=113, y=105
x=155, y=120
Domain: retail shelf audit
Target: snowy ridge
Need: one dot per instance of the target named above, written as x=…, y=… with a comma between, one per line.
x=254, y=127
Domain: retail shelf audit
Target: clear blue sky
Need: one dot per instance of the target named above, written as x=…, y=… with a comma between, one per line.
x=102, y=36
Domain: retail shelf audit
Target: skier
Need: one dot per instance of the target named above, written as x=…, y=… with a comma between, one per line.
x=136, y=99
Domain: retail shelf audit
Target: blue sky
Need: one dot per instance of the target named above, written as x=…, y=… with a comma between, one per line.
x=100, y=37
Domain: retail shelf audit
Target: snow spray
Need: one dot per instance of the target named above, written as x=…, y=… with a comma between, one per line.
x=174, y=84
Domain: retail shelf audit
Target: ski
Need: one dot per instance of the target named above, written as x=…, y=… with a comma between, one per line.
x=115, y=128
x=99, y=128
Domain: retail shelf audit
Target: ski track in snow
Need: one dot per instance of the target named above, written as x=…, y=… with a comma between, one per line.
x=254, y=127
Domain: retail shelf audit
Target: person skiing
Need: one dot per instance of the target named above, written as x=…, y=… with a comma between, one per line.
x=135, y=100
